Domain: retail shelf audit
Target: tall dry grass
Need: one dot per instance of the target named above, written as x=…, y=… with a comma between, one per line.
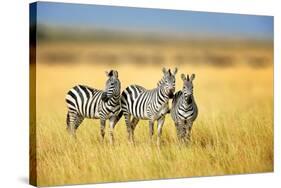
x=233, y=133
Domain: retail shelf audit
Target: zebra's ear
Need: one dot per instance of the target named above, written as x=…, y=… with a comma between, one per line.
x=175, y=71
x=192, y=77
x=164, y=70
x=110, y=73
x=183, y=77
x=115, y=73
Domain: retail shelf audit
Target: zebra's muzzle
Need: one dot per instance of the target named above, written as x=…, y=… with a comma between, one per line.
x=171, y=95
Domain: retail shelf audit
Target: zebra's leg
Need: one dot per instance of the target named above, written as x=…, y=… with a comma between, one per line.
x=188, y=126
x=134, y=123
x=73, y=121
x=151, y=129
x=112, y=122
x=181, y=131
x=102, y=127
x=159, y=129
x=129, y=127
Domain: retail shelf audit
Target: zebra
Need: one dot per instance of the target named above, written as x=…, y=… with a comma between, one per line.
x=152, y=105
x=86, y=102
x=184, y=110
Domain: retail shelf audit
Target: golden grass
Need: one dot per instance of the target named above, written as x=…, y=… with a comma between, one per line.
x=233, y=133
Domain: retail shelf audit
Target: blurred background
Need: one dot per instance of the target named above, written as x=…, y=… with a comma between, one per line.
x=75, y=33
x=76, y=43
x=231, y=54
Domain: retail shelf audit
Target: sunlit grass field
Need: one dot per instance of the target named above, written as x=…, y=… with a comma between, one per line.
x=233, y=133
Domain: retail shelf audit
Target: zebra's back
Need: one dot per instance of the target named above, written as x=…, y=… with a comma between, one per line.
x=84, y=101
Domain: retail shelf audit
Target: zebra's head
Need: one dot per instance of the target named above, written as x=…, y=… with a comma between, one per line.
x=112, y=86
x=168, y=81
x=187, y=85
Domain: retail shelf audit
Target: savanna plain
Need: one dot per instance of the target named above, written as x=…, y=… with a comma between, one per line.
x=233, y=133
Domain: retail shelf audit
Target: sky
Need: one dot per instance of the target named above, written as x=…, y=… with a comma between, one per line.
x=175, y=22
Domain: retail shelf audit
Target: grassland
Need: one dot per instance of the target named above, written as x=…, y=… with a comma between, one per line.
x=233, y=133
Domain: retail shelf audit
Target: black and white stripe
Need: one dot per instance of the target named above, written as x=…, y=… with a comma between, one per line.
x=85, y=102
x=184, y=110
x=152, y=105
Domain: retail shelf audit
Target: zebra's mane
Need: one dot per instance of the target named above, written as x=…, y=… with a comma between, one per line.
x=160, y=82
x=162, y=79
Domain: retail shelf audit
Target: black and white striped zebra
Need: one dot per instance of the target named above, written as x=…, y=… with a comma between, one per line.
x=152, y=105
x=85, y=102
x=184, y=110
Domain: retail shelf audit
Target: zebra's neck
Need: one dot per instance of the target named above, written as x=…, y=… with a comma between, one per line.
x=162, y=95
x=157, y=100
x=161, y=90
x=114, y=99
